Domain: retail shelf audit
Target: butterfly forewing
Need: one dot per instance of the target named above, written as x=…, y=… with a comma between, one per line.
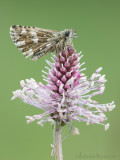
x=33, y=41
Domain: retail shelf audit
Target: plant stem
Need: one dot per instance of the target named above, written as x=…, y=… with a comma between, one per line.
x=58, y=142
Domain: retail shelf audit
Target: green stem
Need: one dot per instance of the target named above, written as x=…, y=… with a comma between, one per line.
x=58, y=142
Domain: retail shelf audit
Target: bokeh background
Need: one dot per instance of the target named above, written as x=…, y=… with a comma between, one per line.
x=97, y=23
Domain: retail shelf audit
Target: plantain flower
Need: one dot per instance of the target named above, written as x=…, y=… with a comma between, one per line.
x=68, y=94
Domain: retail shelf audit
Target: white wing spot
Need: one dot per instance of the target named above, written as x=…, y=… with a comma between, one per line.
x=40, y=49
x=54, y=34
x=30, y=50
x=11, y=28
x=48, y=45
x=23, y=31
x=20, y=49
x=33, y=33
x=28, y=53
x=18, y=44
x=35, y=40
x=24, y=53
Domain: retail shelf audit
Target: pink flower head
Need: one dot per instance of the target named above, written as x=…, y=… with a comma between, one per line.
x=68, y=94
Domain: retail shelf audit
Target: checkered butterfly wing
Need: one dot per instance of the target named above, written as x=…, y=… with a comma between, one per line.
x=32, y=41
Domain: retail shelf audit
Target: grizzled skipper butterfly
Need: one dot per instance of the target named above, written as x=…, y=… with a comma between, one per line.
x=35, y=42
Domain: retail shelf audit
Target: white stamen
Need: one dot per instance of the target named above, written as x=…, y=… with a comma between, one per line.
x=47, y=68
x=82, y=69
x=92, y=84
x=37, y=116
x=44, y=77
x=53, y=55
x=107, y=126
x=29, y=121
x=32, y=79
x=49, y=63
x=16, y=94
x=70, y=81
x=80, y=52
x=44, y=72
x=61, y=87
x=53, y=150
x=101, y=79
x=88, y=122
x=102, y=90
x=45, y=80
x=93, y=76
x=28, y=117
x=81, y=56
x=40, y=123
x=53, y=59
x=111, y=107
x=98, y=70
x=22, y=83
x=76, y=131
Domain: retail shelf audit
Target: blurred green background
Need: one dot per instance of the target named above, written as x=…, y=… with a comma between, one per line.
x=97, y=23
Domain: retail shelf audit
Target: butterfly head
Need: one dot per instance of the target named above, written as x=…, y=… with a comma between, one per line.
x=70, y=33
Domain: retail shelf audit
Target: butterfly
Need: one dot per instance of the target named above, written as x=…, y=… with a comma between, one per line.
x=35, y=42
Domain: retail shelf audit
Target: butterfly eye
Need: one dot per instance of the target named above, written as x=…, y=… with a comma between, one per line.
x=67, y=33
